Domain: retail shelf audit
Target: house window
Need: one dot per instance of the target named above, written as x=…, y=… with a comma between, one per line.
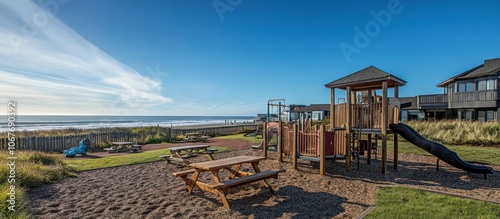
x=316, y=115
x=489, y=115
x=481, y=116
x=465, y=114
x=466, y=87
x=404, y=115
x=485, y=116
x=451, y=88
x=481, y=85
x=469, y=87
x=486, y=85
x=490, y=84
x=461, y=87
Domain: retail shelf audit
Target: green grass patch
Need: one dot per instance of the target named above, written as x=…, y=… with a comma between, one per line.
x=32, y=169
x=254, y=140
x=241, y=137
x=403, y=202
x=121, y=160
x=489, y=155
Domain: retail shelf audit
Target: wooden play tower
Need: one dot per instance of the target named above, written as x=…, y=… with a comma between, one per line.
x=366, y=115
x=357, y=124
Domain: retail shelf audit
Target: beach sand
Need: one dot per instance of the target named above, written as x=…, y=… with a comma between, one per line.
x=150, y=191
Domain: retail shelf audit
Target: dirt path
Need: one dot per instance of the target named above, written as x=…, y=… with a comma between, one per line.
x=229, y=143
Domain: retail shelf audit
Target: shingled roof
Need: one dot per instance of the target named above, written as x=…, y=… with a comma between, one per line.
x=489, y=67
x=368, y=78
x=314, y=107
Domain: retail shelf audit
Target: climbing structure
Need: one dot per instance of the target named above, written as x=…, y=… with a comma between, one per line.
x=364, y=116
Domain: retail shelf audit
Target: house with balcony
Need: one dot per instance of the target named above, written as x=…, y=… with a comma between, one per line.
x=471, y=95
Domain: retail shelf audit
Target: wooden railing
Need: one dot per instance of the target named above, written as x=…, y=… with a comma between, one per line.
x=486, y=95
x=308, y=141
x=433, y=98
x=60, y=143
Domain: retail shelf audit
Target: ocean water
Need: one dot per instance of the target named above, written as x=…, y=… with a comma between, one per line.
x=32, y=122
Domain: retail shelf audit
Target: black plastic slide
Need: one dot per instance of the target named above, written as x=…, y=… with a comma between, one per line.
x=438, y=150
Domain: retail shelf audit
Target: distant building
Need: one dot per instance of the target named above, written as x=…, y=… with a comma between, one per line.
x=315, y=112
x=471, y=95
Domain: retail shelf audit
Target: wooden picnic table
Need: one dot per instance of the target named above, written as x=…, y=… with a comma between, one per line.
x=237, y=177
x=123, y=146
x=181, y=153
x=195, y=136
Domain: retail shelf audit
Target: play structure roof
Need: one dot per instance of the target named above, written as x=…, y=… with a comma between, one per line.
x=368, y=78
x=489, y=67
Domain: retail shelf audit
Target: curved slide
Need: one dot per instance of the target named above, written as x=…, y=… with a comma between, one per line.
x=438, y=150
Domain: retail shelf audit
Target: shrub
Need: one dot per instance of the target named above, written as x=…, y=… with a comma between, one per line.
x=32, y=169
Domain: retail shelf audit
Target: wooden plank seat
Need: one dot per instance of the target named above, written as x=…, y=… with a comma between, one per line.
x=110, y=150
x=183, y=173
x=246, y=179
x=203, y=138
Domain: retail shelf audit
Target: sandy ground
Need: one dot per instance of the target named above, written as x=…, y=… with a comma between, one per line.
x=150, y=191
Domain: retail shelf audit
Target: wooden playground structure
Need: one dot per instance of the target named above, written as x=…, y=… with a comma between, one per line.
x=356, y=126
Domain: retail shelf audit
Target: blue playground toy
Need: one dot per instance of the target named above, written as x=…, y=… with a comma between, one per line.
x=81, y=149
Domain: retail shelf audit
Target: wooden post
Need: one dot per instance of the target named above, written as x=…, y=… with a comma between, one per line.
x=369, y=147
x=332, y=108
x=264, y=139
x=322, y=160
x=294, y=145
x=396, y=120
x=280, y=141
x=384, y=126
x=348, y=109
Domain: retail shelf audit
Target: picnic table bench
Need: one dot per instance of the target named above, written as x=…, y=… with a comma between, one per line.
x=237, y=178
x=181, y=153
x=195, y=137
x=123, y=146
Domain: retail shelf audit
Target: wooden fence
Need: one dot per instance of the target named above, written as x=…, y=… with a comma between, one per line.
x=61, y=143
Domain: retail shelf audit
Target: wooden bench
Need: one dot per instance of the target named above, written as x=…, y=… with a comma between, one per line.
x=222, y=188
x=183, y=173
x=110, y=150
x=246, y=179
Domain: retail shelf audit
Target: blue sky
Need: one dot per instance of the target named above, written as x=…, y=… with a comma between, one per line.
x=131, y=57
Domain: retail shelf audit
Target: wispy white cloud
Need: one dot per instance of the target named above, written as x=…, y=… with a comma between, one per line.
x=50, y=69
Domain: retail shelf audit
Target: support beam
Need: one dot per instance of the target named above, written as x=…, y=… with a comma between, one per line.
x=322, y=160
x=348, y=110
x=396, y=120
x=369, y=147
x=385, y=113
x=264, y=140
x=280, y=141
x=294, y=145
x=332, y=108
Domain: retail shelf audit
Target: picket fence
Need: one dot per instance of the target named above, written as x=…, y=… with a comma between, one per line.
x=61, y=143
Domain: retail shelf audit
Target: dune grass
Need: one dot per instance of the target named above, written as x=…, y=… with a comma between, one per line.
x=404, y=202
x=122, y=160
x=32, y=169
x=489, y=155
x=459, y=132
